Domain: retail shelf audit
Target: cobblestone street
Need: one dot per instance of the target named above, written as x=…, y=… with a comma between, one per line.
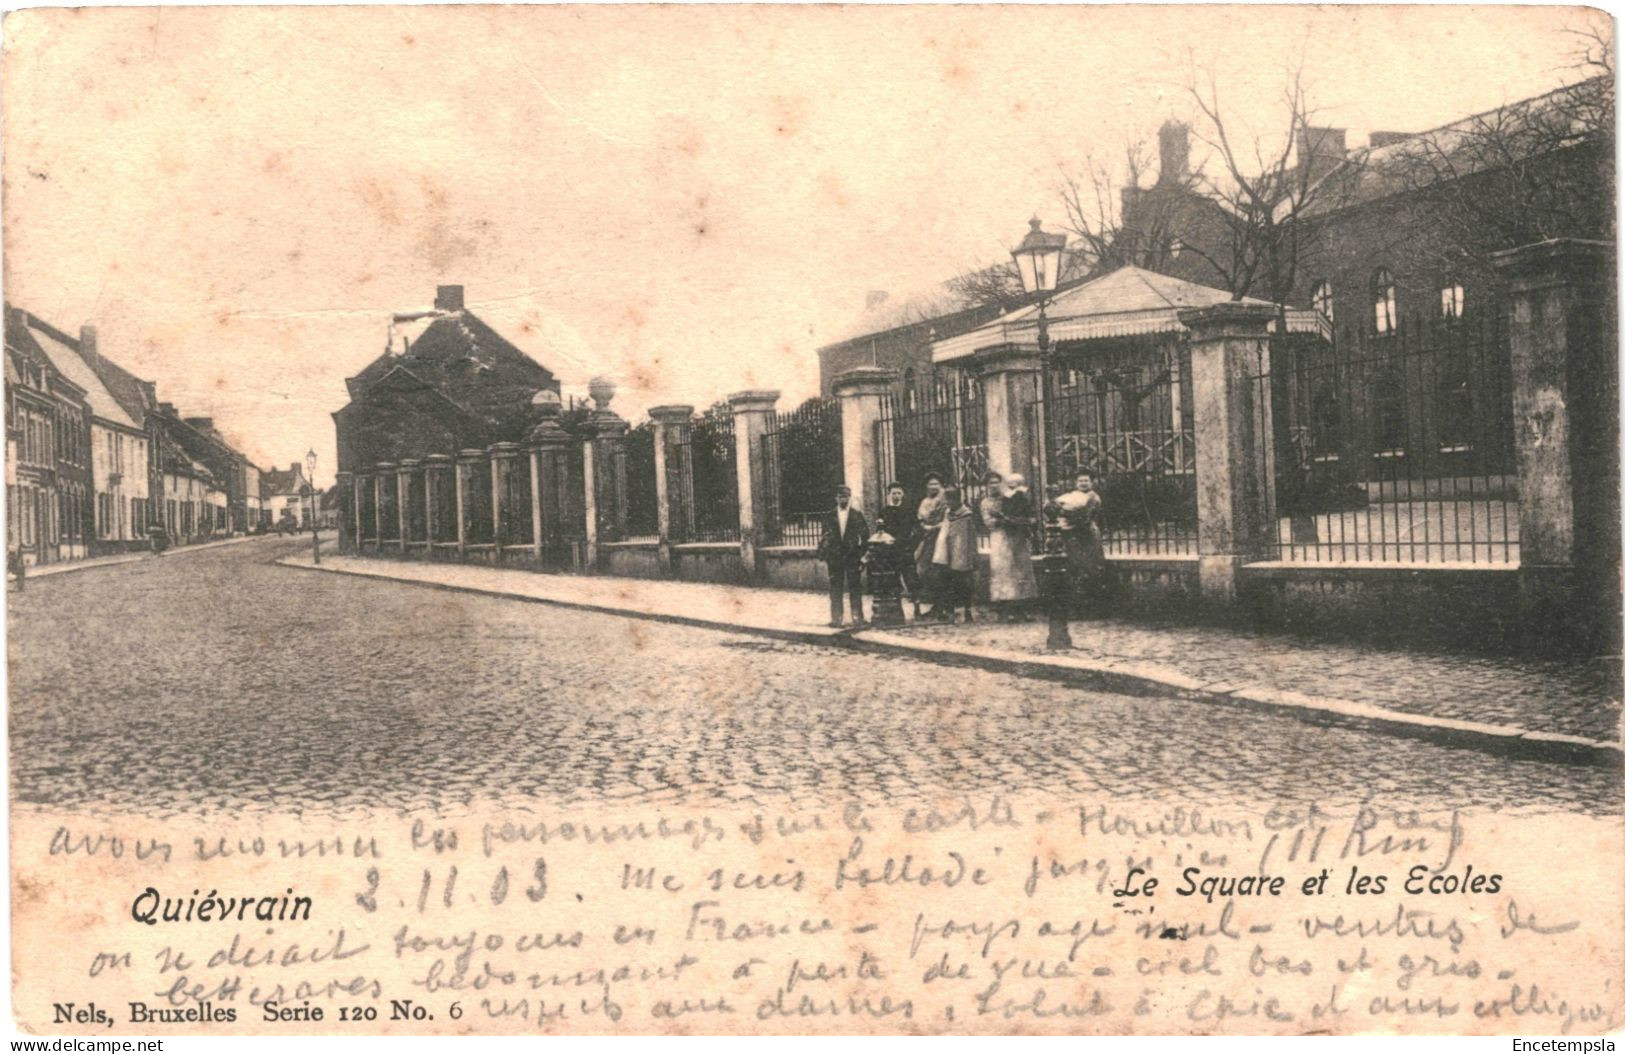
x=218, y=681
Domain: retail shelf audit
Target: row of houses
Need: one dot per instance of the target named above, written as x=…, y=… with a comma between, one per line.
x=96, y=463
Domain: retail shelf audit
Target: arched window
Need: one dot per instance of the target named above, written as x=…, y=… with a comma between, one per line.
x=911, y=394
x=940, y=390
x=1385, y=298
x=1452, y=299
x=1321, y=298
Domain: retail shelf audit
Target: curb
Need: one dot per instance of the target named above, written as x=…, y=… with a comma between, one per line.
x=67, y=567
x=1121, y=678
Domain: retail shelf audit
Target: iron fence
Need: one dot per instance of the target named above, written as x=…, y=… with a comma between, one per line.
x=801, y=457
x=642, y=494
x=1125, y=418
x=944, y=431
x=1392, y=448
x=706, y=494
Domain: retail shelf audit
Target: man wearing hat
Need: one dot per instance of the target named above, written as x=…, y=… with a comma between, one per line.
x=840, y=545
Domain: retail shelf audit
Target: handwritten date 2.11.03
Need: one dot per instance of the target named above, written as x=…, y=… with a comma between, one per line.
x=442, y=890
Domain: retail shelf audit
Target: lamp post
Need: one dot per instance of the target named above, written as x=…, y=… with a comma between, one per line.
x=310, y=484
x=1038, y=259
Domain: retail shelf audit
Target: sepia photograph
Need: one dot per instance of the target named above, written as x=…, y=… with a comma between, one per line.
x=803, y=520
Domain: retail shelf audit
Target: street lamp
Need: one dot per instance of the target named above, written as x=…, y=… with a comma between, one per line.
x=310, y=477
x=1038, y=259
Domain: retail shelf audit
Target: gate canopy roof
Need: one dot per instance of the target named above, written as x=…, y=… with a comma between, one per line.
x=1129, y=301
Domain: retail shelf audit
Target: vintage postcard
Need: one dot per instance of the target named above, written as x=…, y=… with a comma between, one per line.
x=675, y=520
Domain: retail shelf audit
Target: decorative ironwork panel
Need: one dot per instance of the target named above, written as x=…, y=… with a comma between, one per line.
x=708, y=494
x=945, y=432
x=642, y=494
x=1123, y=414
x=801, y=458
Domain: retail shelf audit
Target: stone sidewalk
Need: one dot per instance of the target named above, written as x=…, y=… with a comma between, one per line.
x=1559, y=709
x=63, y=567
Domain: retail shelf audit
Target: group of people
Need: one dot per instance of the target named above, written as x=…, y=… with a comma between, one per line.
x=932, y=548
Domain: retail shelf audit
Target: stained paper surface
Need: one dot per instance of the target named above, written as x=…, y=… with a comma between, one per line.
x=250, y=798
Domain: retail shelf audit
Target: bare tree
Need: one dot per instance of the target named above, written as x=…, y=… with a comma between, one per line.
x=1536, y=169
x=1267, y=192
x=1094, y=204
x=998, y=284
x=1513, y=175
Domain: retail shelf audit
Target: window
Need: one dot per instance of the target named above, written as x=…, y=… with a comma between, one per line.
x=1386, y=300
x=1321, y=298
x=911, y=396
x=1175, y=247
x=1452, y=299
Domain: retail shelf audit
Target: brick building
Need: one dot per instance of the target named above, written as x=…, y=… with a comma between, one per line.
x=119, y=468
x=1405, y=227
x=48, y=482
x=446, y=381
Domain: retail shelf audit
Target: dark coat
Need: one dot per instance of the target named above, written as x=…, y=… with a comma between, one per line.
x=847, y=550
x=900, y=522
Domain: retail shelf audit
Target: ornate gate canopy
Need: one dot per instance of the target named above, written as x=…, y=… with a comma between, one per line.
x=1127, y=302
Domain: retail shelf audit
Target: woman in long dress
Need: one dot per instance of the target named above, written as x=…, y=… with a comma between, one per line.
x=1079, y=511
x=1007, y=514
x=932, y=509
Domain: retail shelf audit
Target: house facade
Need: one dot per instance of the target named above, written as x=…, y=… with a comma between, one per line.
x=446, y=381
x=119, y=452
x=47, y=453
x=286, y=496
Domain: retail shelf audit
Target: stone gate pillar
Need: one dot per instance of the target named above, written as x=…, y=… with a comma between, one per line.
x=1229, y=347
x=1565, y=396
x=382, y=472
x=348, y=521
x=549, y=444
x=753, y=416
x=862, y=393
x=437, y=468
x=604, y=470
x=504, y=460
x=1009, y=374
x=403, y=506
x=466, y=461
x=670, y=424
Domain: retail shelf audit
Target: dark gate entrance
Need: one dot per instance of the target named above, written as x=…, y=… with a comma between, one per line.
x=1122, y=411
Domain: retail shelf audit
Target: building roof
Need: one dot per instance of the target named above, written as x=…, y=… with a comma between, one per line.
x=277, y=482
x=172, y=458
x=1126, y=302
x=63, y=352
x=1505, y=135
x=464, y=360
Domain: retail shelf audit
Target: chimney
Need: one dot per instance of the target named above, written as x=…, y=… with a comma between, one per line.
x=1321, y=149
x=1382, y=139
x=202, y=424
x=1174, y=151
x=448, y=298
x=87, y=343
x=167, y=409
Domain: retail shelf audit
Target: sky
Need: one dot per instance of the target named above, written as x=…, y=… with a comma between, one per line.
x=690, y=200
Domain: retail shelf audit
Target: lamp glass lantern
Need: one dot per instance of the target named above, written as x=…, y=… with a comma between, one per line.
x=1038, y=258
